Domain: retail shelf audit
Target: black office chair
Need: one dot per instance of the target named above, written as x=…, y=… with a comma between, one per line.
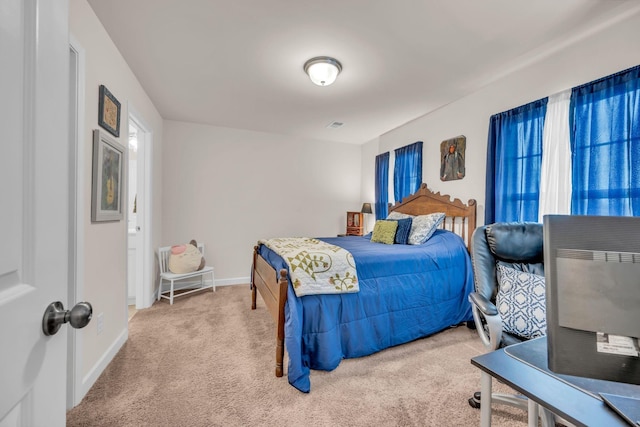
x=517, y=245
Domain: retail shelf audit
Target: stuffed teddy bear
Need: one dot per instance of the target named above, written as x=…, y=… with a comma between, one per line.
x=186, y=258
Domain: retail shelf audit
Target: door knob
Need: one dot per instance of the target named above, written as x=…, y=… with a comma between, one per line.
x=55, y=315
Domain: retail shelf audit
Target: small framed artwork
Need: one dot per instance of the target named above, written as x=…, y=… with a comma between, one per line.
x=108, y=111
x=452, y=158
x=109, y=164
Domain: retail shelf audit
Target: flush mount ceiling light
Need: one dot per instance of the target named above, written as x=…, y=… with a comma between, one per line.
x=322, y=70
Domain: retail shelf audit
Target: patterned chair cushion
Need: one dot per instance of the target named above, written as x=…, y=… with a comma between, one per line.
x=521, y=302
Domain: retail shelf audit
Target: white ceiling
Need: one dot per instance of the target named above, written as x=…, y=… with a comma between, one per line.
x=238, y=63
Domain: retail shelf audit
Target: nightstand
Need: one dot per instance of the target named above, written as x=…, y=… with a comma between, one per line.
x=355, y=223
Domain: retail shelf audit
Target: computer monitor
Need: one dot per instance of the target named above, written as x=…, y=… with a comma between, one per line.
x=592, y=276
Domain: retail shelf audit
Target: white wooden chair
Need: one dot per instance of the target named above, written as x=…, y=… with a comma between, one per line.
x=167, y=275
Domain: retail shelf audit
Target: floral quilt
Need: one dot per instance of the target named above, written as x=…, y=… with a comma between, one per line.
x=316, y=267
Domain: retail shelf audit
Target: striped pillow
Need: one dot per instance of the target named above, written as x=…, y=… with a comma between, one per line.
x=404, y=228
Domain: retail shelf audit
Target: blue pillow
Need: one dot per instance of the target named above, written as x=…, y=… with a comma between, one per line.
x=404, y=227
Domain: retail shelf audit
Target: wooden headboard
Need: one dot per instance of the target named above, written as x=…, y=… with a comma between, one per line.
x=459, y=218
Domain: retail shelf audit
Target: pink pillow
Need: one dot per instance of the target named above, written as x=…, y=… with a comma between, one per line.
x=178, y=249
x=185, y=259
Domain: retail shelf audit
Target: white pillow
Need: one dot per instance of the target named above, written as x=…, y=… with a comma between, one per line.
x=521, y=302
x=398, y=215
x=423, y=227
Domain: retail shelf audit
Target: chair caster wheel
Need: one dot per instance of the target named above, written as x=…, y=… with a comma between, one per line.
x=471, y=325
x=474, y=403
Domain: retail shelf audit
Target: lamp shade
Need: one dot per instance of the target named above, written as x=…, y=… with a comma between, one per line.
x=322, y=70
x=366, y=208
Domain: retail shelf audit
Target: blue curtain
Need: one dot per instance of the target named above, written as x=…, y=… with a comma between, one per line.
x=514, y=159
x=407, y=172
x=382, y=185
x=605, y=145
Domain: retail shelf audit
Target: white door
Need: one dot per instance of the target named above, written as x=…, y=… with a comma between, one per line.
x=34, y=185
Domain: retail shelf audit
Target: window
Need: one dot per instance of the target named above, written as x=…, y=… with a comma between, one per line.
x=605, y=144
x=604, y=164
x=407, y=172
x=382, y=185
x=514, y=159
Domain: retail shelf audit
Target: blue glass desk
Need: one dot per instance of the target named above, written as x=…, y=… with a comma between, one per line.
x=524, y=368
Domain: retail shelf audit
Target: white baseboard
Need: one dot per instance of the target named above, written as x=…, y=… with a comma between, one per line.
x=101, y=365
x=233, y=282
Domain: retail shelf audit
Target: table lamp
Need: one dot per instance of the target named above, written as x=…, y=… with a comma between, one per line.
x=366, y=209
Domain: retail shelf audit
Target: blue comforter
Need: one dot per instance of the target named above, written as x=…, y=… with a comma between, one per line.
x=406, y=292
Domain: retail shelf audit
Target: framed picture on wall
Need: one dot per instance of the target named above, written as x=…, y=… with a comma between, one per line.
x=109, y=162
x=108, y=111
x=452, y=158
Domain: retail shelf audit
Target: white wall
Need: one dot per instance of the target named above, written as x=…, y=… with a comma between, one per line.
x=368, y=192
x=104, y=283
x=612, y=49
x=228, y=188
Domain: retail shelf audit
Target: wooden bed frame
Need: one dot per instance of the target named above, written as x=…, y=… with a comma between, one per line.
x=459, y=218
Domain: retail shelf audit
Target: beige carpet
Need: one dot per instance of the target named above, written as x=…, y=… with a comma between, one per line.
x=208, y=360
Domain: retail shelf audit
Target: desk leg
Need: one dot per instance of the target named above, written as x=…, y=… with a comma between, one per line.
x=532, y=407
x=485, y=399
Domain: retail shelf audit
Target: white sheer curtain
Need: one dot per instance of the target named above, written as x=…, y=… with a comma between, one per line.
x=555, y=180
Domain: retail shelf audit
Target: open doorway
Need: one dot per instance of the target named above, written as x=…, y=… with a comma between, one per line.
x=133, y=229
x=138, y=215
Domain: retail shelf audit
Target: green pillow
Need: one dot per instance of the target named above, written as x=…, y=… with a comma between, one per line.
x=384, y=232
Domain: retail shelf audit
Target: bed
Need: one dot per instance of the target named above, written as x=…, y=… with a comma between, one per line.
x=406, y=292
